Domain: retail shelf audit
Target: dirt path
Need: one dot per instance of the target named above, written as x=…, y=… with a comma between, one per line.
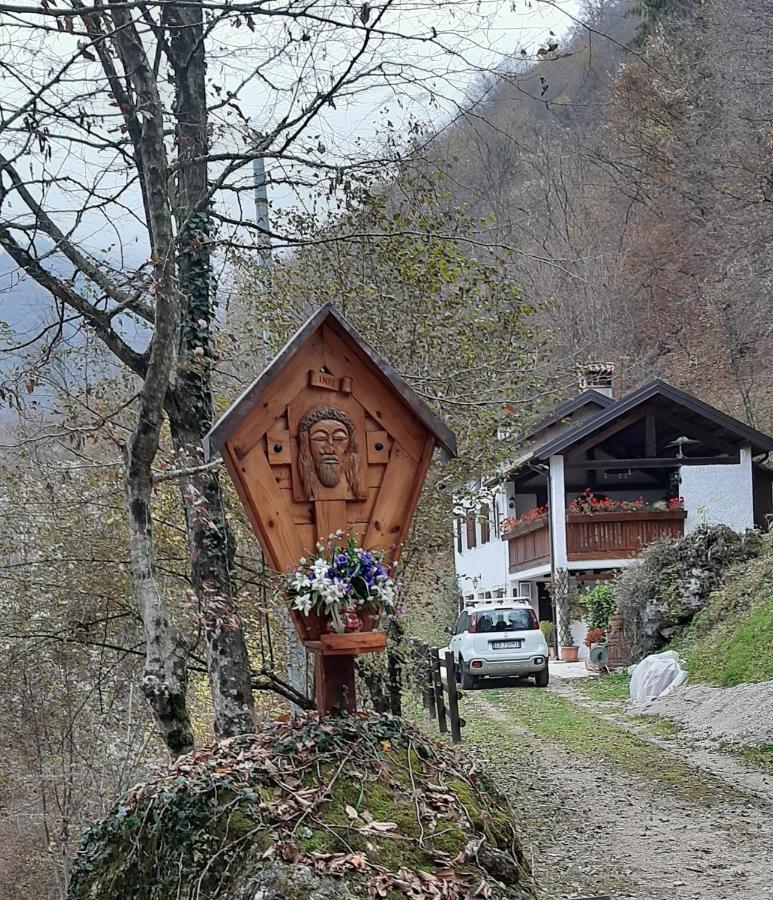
x=732, y=771
x=606, y=811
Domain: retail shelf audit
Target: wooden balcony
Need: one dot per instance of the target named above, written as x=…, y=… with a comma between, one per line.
x=610, y=535
x=528, y=545
x=619, y=535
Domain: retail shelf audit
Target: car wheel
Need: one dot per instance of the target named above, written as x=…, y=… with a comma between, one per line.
x=542, y=677
x=468, y=681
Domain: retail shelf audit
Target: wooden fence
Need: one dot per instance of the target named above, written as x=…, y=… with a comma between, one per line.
x=433, y=677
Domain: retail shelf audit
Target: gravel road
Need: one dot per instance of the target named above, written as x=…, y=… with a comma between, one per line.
x=668, y=830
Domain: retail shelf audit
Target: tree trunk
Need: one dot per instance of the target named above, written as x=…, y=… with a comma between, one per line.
x=211, y=546
x=189, y=402
x=165, y=679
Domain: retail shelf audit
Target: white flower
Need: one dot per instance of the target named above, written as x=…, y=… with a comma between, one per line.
x=319, y=568
x=300, y=582
x=303, y=603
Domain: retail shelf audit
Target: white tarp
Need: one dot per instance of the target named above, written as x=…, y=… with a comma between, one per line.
x=656, y=676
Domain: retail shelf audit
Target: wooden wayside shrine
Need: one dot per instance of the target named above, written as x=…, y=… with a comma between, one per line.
x=329, y=437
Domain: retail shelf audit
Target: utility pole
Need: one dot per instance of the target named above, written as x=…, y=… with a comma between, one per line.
x=296, y=652
x=261, y=213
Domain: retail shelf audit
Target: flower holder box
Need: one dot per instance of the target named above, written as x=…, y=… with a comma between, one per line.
x=626, y=515
x=350, y=644
x=526, y=527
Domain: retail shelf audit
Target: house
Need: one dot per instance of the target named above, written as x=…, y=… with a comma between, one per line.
x=599, y=479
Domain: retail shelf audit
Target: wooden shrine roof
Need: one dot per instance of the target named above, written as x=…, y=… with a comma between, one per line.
x=328, y=314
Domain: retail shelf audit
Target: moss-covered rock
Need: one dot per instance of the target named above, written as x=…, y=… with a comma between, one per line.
x=673, y=579
x=362, y=806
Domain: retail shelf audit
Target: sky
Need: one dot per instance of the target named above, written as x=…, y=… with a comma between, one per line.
x=477, y=36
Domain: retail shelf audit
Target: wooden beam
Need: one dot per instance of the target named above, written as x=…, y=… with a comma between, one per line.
x=654, y=463
x=650, y=436
x=597, y=437
x=690, y=429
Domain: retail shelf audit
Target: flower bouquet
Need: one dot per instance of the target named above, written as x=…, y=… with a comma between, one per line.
x=342, y=589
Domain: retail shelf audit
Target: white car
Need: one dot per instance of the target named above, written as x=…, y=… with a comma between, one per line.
x=499, y=638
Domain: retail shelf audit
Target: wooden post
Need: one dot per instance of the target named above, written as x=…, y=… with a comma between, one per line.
x=440, y=703
x=428, y=676
x=453, y=698
x=334, y=684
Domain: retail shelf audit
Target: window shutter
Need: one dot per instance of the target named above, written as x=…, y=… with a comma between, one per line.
x=485, y=525
x=471, y=541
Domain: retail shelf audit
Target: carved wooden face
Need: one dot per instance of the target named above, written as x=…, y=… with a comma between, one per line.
x=329, y=442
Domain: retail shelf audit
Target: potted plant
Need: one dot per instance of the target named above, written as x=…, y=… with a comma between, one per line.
x=548, y=630
x=343, y=588
x=599, y=603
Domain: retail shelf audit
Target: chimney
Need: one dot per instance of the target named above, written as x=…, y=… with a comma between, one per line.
x=597, y=376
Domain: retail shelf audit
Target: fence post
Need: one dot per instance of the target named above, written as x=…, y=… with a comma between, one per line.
x=437, y=681
x=453, y=698
x=428, y=686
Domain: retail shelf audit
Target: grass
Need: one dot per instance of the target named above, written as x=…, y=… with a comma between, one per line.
x=730, y=641
x=605, y=687
x=659, y=725
x=735, y=652
x=585, y=735
x=761, y=757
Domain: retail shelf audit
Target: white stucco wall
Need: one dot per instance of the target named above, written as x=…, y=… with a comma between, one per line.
x=487, y=563
x=719, y=494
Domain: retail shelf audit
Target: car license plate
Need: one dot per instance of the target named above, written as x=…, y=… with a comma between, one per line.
x=506, y=645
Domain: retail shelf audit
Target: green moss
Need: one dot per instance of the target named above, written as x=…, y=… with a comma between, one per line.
x=212, y=819
x=450, y=839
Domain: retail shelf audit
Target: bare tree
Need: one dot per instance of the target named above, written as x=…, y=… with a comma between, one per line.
x=128, y=133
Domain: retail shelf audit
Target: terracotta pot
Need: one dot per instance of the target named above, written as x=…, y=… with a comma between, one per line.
x=313, y=626
x=551, y=652
x=569, y=654
x=369, y=618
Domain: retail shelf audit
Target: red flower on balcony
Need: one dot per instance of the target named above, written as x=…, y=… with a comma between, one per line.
x=511, y=522
x=588, y=502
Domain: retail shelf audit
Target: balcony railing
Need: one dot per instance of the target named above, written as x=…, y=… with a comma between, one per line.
x=529, y=544
x=608, y=535
x=619, y=535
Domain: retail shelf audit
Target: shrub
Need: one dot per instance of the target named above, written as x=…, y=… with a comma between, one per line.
x=548, y=629
x=600, y=602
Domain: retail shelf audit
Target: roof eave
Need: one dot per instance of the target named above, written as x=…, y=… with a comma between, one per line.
x=755, y=439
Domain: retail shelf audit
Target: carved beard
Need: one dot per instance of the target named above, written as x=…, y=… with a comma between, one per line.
x=329, y=473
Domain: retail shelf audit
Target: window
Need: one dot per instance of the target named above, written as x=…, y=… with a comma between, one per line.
x=471, y=540
x=485, y=525
x=463, y=624
x=493, y=620
x=459, y=546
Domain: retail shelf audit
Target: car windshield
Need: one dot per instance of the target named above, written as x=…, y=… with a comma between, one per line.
x=493, y=620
